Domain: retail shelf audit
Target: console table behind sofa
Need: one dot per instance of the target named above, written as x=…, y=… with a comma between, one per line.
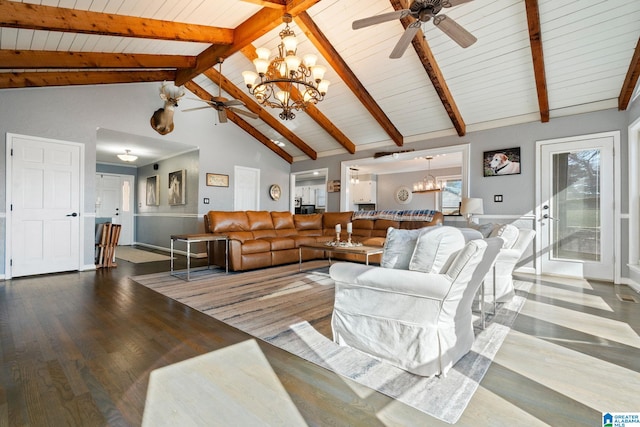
x=262, y=239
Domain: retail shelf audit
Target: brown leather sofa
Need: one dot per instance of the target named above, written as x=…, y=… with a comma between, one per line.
x=263, y=239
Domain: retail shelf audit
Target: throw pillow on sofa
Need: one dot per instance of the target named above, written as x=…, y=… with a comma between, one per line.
x=398, y=248
x=509, y=233
x=434, y=248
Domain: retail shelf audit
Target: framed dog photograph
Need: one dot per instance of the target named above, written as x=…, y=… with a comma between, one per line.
x=501, y=162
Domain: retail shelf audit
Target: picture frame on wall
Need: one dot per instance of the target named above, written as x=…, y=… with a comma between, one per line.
x=178, y=187
x=501, y=162
x=217, y=180
x=333, y=186
x=153, y=190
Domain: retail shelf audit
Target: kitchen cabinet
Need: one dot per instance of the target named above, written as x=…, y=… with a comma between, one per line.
x=364, y=192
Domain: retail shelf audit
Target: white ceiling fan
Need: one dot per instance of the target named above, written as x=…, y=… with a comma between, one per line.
x=222, y=104
x=423, y=11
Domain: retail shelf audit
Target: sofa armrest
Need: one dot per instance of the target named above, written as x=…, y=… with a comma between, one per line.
x=394, y=281
x=525, y=237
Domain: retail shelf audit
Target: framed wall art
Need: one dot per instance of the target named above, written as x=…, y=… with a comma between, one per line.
x=153, y=190
x=501, y=162
x=178, y=187
x=333, y=186
x=217, y=180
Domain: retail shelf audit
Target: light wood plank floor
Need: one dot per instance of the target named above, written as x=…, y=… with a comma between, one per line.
x=77, y=349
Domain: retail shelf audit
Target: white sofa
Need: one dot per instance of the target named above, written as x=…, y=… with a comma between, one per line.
x=419, y=320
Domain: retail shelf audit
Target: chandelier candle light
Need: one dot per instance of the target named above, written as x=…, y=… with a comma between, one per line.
x=284, y=74
x=428, y=183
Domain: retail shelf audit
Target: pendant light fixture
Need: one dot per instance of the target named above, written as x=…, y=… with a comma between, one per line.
x=428, y=183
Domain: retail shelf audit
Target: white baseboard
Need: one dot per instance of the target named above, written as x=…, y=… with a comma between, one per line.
x=525, y=270
x=88, y=267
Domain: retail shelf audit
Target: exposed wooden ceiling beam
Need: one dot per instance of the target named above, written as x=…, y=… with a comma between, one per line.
x=53, y=59
x=253, y=106
x=203, y=94
x=70, y=78
x=311, y=110
x=276, y=4
x=433, y=71
x=631, y=80
x=48, y=18
x=319, y=40
x=535, y=38
x=255, y=27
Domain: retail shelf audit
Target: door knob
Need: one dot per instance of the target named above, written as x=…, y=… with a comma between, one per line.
x=73, y=214
x=546, y=216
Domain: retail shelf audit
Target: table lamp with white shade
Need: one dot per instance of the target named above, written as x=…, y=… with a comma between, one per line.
x=471, y=206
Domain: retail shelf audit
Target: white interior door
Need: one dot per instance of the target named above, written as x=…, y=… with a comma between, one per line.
x=246, y=189
x=44, y=197
x=576, y=207
x=114, y=199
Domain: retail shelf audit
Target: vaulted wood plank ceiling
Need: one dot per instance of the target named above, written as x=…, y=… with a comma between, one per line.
x=590, y=61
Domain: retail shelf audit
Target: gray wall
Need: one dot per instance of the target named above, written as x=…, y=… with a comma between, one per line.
x=518, y=191
x=388, y=183
x=75, y=113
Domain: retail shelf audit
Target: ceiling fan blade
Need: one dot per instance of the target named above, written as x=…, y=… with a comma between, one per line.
x=378, y=19
x=196, y=108
x=222, y=115
x=244, y=113
x=199, y=99
x=451, y=3
x=233, y=102
x=454, y=30
x=404, y=41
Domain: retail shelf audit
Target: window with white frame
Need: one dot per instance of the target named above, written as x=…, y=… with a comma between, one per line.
x=451, y=195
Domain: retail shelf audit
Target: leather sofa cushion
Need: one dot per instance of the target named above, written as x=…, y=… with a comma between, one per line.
x=260, y=220
x=308, y=221
x=303, y=240
x=255, y=246
x=223, y=222
x=241, y=236
x=363, y=224
x=382, y=225
x=282, y=220
x=264, y=234
x=281, y=243
x=374, y=241
x=330, y=219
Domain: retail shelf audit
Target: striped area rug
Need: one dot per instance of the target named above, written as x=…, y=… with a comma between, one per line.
x=292, y=310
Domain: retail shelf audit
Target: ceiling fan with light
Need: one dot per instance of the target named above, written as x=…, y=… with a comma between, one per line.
x=423, y=11
x=222, y=104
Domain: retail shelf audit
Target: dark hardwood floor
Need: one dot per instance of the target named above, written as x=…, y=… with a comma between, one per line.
x=76, y=349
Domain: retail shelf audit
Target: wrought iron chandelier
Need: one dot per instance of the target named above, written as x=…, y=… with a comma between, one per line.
x=286, y=82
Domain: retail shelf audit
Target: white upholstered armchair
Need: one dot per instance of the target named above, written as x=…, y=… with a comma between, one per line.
x=420, y=321
x=517, y=240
